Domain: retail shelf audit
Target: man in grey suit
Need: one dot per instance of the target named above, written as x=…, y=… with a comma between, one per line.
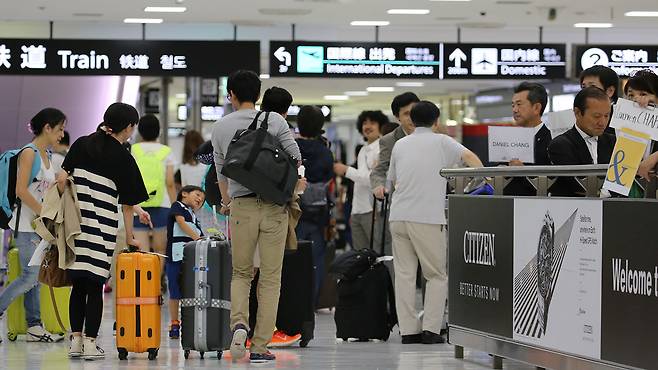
x=401, y=107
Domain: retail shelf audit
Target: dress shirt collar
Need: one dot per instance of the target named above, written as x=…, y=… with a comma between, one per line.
x=585, y=136
x=423, y=130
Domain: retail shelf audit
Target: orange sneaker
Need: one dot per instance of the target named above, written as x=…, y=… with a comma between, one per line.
x=281, y=339
x=248, y=344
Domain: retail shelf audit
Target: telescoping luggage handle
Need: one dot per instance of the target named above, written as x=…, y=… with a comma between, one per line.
x=384, y=216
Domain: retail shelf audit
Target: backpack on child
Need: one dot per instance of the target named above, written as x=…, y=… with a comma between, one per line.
x=8, y=176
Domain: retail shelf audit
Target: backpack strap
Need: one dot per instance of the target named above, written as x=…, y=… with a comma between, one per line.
x=254, y=123
x=258, y=143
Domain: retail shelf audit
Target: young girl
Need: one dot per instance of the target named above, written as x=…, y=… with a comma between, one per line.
x=48, y=128
x=182, y=227
x=104, y=175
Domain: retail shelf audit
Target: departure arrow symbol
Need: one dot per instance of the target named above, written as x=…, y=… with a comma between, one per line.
x=458, y=57
x=283, y=56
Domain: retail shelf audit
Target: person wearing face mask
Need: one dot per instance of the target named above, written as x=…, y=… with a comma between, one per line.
x=585, y=143
x=104, y=176
x=642, y=88
x=606, y=79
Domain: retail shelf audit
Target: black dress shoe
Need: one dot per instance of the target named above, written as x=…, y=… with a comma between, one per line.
x=412, y=339
x=432, y=338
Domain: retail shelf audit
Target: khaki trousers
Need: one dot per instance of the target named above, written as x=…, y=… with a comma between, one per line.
x=413, y=243
x=263, y=225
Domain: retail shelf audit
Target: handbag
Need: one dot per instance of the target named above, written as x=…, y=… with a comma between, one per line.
x=256, y=160
x=49, y=272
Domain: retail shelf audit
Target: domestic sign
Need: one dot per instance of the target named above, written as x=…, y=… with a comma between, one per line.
x=508, y=143
x=507, y=61
x=629, y=114
x=127, y=57
x=357, y=59
x=623, y=59
x=625, y=160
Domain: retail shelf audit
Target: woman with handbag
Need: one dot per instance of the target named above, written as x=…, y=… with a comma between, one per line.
x=48, y=128
x=104, y=176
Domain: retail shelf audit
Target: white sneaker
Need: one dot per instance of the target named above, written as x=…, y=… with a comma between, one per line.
x=91, y=351
x=75, y=350
x=38, y=334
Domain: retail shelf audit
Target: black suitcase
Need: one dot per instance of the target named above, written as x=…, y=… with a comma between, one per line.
x=366, y=306
x=295, y=313
x=206, y=303
x=328, y=296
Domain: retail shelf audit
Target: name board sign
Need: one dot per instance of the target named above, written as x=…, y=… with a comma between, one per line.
x=507, y=143
x=507, y=61
x=630, y=115
x=127, y=57
x=340, y=59
x=623, y=59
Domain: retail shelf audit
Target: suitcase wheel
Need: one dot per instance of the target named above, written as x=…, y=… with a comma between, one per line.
x=153, y=354
x=219, y=355
x=123, y=354
x=12, y=336
x=201, y=354
x=186, y=354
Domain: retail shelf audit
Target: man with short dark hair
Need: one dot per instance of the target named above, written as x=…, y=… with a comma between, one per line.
x=276, y=99
x=528, y=105
x=418, y=221
x=255, y=222
x=606, y=79
x=586, y=142
x=369, y=125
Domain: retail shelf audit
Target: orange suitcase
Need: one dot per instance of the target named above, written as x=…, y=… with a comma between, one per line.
x=138, y=303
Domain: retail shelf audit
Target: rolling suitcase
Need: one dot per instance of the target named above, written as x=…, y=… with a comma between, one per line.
x=16, y=324
x=138, y=302
x=206, y=290
x=328, y=296
x=295, y=314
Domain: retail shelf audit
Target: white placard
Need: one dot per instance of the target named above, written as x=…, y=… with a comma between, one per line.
x=560, y=122
x=629, y=114
x=507, y=143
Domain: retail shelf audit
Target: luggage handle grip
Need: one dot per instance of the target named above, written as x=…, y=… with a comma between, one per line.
x=208, y=300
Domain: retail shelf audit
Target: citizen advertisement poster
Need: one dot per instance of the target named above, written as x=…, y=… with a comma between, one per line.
x=557, y=274
x=481, y=256
x=630, y=280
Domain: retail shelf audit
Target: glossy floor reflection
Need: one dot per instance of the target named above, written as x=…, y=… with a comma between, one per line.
x=324, y=352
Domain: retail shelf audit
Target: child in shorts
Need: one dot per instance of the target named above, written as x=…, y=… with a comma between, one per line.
x=182, y=227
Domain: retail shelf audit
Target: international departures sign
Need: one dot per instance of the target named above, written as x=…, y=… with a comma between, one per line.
x=417, y=60
x=127, y=57
x=623, y=59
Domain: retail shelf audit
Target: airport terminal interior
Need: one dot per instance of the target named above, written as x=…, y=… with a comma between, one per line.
x=475, y=187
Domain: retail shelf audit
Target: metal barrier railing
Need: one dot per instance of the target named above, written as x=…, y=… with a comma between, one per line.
x=590, y=177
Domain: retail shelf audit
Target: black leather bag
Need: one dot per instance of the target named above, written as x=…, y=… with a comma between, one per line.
x=256, y=160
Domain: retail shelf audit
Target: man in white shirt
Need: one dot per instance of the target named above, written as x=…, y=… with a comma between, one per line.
x=369, y=125
x=586, y=142
x=418, y=222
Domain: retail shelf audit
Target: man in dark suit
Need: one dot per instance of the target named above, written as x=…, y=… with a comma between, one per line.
x=586, y=142
x=528, y=104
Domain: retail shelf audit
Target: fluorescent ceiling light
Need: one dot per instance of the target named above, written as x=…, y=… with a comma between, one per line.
x=409, y=11
x=410, y=84
x=181, y=96
x=264, y=76
x=369, y=23
x=165, y=9
x=336, y=97
x=143, y=20
x=356, y=93
x=593, y=25
x=380, y=89
x=638, y=13
x=452, y=1
x=451, y=122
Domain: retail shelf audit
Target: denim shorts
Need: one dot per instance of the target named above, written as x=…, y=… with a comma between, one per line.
x=173, y=270
x=158, y=218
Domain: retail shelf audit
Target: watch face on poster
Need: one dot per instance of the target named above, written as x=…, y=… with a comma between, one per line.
x=545, y=267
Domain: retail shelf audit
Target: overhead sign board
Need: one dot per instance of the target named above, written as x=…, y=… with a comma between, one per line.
x=504, y=61
x=623, y=59
x=127, y=57
x=356, y=59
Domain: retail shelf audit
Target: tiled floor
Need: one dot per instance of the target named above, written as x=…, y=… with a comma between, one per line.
x=324, y=352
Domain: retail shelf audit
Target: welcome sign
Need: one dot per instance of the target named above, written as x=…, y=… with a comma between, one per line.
x=631, y=115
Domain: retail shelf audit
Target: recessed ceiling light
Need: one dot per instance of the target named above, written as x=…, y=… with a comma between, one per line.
x=264, y=76
x=356, y=93
x=409, y=11
x=143, y=20
x=380, y=89
x=369, y=23
x=410, y=84
x=593, y=25
x=638, y=13
x=336, y=97
x=451, y=122
x=165, y=9
x=452, y=1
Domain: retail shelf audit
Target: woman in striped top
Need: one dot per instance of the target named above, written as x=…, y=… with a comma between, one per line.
x=105, y=175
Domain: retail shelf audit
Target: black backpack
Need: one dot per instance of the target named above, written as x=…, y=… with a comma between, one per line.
x=256, y=160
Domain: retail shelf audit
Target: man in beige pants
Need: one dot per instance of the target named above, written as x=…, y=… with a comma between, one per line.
x=418, y=223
